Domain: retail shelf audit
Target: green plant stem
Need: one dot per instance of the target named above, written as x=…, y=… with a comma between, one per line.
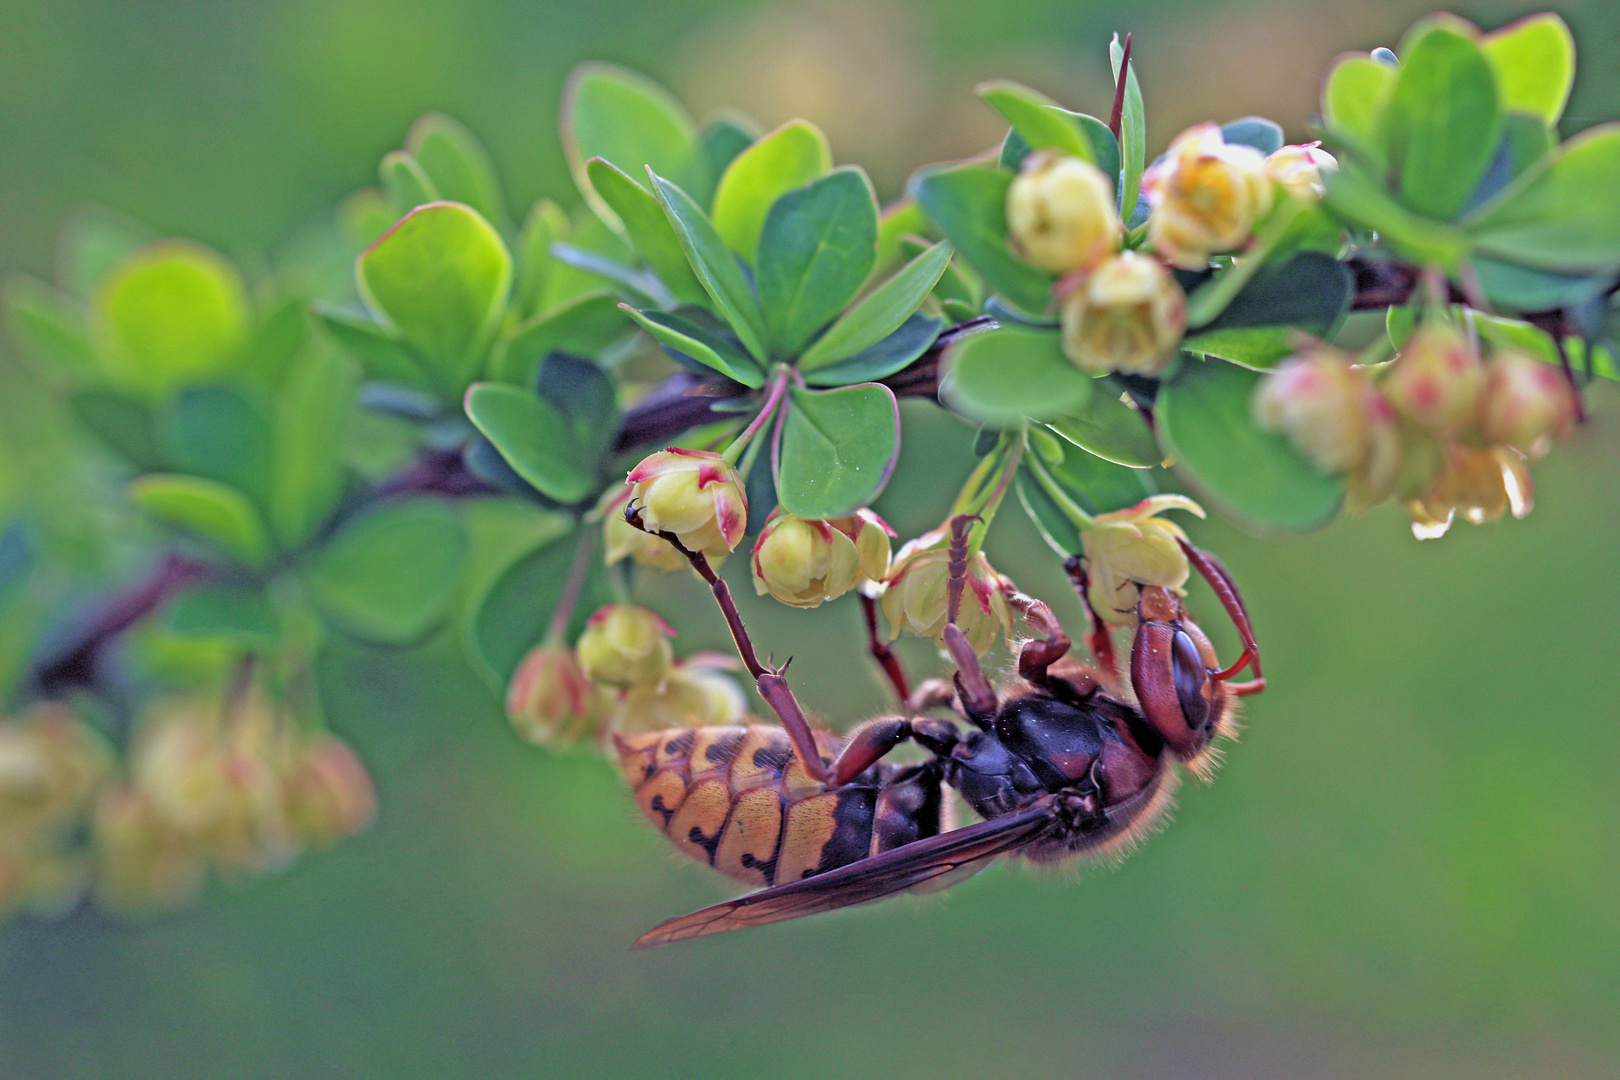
x=1213, y=298
x=557, y=629
x=988, y=485
x=1055, y=492
x=773, y=398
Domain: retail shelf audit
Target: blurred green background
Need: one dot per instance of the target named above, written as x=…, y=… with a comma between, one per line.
x=1409, y=866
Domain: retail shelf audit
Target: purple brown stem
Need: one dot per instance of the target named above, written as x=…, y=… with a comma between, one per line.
x=1118, y=113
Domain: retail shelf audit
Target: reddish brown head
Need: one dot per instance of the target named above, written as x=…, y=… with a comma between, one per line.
x=1176, y=675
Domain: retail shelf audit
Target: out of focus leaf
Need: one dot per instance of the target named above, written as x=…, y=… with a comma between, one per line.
x=1263, y=135
x=208, y=509
x=121, y=422
x=1110, y=429
x=1039, y=121
x=722, y=139
x=405, y=182
x=1354, y=96
x=789, y=157
x=46, y=324
x=534, y=438
x=545, y=225
x=838, y=449
x=615, y=114
x=1443, y=118
x=584, y=327
x=1003, y=376
x=1560, y=215
x=390, y=573
x=381, y=357
x=1132, y=133
x=458, y=164
x=312, y=413
x=91, y=241
x=512, y=614
x=239, y=613
x=220, y=432
x=1534, y=63
x=969, y=205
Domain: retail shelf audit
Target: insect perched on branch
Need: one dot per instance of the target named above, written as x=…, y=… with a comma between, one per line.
x=1070, y=760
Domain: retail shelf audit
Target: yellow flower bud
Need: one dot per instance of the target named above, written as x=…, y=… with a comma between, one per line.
x=178, y=763
x=328, y=792
x=1127, y=315
x=1062, y=215
x=803, y=562
x=142, y=862
x=695, y=693
x=1374, y=477
x=694, y=494
x=622, y=540
x=251, y=833
x=1477, y=485
x=624, y=645
x=1437, y=380
x=1526, y=404
x=1298, y=169
x=1126, y=549
x=916, y=596
x=551, y=701
x=1206, y=195
x=1318, y=399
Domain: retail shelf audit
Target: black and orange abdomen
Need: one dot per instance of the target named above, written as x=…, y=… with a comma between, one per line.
x=738, y=800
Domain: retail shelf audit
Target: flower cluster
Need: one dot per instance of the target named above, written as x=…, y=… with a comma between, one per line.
x=803, y=562
x=916, y=595
x=1439, y=428
x=238, y=794
x=1122, y=310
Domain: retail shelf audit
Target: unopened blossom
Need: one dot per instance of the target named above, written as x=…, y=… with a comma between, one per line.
x=916, y=597
x=1477, y=485
x=1437, y=379
x=1205, y=196
x=622, y=540
x=328, y=791
x=551, y=701
x=1129, y=548
x=697, y=692
x=178, y=763
x=694, y=494
x=143, y=863
x=1127, y=315
x=1319, y=399
x=1299, y=168
x=624, y=645
x=803, y=562
x=1525, y=404
x=1061, y=213
x=1374, y=477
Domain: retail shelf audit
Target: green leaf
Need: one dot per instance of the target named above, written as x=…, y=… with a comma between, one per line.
x=279, y=336
x=49, y=326
x=789, y=157
x=511, y=616
x=1004, y=376
x=1132, y=134
x=700, y=344
x=1059, y=531
x=882, y=359
x=457, y=163
x=1354, y=97
x=405, y=182
x=838, y=449
x=587, y=399
x=122, y=423
x=1263, y=135
x=172, y=312
x=390, y=573
x=969, y=205
x=583, y=327
x=720, y=141
x=716, y=268
x=1041, y=122
x=1098, y=485
x=817, y=246
x=373, y=346
x=218, y=432
x=1443, y=119
x=1257, y=347
x=311, y=418
x=534, y=438
x=240, y=613
x=898, y=221
x=1521, y=288
x=881, y=313
x=1310, y=290
x=440, y=277
x=1559, y=215
x=1108, y=428
x=545, y=225
x=1359, y=200
x=213, y=511
x=648, y=230
x=91, y=241
x=1204, y=422
x=625, y=118
x=1534, y=62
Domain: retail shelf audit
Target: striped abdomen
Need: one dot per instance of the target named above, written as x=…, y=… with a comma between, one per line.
x=738, y=799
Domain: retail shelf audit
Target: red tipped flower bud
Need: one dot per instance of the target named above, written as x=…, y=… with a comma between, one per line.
x=1298, y=169
x=696, y=693
x=1437, y=379
x=916, y=597
x=1129, y=548
x=803, y=562
x=1319, y=400
x=551, y=701
x=694, y=494
x=329, y=794
x=1526, y=404
x=624, y=645
x=1061, y=213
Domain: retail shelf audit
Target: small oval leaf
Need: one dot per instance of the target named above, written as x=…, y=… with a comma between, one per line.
x=838, y=449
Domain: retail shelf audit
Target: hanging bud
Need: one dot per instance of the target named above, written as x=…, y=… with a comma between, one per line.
x=1298, y=169
x=1437, y=380
x=178, y=763
x=916, y=598
x=143, y=863
x=328, y=792
x=625, y=645
x=1373, y=479
x=1128, y=315
x=1319, y=400
x=251, y=833
x=1061, y=213
x=694, y=494
x=1206, y=195
x=1526, y=404
x=695, y=693
x=804, y=562
x=622, y=540
x=1126, y=549
x=1476, y=485
x=550, y=701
